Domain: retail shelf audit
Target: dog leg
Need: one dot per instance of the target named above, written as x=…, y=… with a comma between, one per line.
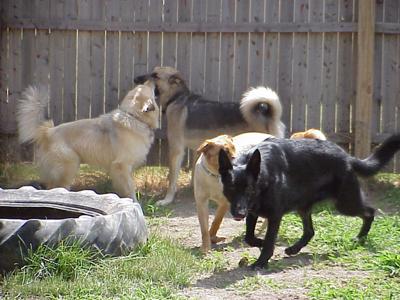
x=219, y=215
x=202, y=214
x=250, y=239
x=122, y=180
x=269, y=243
x=308, y=233
x=351, y=202
x=176, y=155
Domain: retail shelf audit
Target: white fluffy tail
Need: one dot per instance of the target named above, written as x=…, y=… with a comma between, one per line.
x=262, y=109
x=30, y=113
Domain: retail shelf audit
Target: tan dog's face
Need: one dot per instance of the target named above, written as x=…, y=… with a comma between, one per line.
x=309, y=134
x=141, y=103
x=210, y=149
x=168, y=81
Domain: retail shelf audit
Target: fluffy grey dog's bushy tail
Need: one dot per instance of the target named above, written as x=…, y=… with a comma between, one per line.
x=262, y=109
x=377, y=160
x=31, y=113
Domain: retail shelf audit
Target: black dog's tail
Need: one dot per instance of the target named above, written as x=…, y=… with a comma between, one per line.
x=377, y=160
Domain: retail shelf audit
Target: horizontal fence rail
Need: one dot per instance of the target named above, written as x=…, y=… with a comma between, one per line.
x=89, y=51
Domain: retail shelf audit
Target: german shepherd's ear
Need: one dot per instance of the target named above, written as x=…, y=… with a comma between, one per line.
x=225, y=164
x=175, y=79
x=253, y=166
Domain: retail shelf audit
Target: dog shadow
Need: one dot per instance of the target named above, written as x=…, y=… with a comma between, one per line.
x=227, y=278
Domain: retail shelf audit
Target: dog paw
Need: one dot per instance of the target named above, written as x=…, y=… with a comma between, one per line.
x=258, y=266
x=292, y=250
x=217, y=239
x=164, y=202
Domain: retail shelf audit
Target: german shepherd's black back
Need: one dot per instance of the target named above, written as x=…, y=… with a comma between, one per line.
x=280, y=175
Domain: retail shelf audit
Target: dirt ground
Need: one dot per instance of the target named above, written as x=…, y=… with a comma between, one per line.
x=288, y=282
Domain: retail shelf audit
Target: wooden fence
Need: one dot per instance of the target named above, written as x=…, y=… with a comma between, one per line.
x=89, y=51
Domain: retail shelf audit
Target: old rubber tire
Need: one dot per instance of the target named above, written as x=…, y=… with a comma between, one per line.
x=106, y=222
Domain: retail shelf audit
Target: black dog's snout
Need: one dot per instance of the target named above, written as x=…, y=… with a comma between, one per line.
x=141, y=79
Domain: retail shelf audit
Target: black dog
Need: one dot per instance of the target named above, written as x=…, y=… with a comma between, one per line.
x=281, y=175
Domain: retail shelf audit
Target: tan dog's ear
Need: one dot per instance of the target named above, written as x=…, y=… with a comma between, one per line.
x=204, y=147
x=230, y=149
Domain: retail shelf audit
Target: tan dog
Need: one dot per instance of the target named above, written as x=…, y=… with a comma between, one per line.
x=309, y=134
x=118, y=141
x=207, y=183
x=191, y=118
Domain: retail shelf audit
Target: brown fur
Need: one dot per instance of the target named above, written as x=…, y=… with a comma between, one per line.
x=309, y=134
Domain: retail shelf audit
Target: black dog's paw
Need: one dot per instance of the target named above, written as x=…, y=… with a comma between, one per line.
x=258, y=266
x=360, y=240
x=292, y=250
x=254, y=242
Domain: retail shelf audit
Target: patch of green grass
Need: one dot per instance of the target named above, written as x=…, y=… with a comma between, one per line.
x=256, y=282
x=65, y=261
x=373, y=288
x=154, y=271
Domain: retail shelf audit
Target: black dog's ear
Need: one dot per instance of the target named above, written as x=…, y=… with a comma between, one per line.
x=141, y=79
x=225, y=164
x=253, y=166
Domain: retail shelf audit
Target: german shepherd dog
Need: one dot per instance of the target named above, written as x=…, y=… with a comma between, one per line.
x=191, y=118
x=281, y=175
x=118, y=141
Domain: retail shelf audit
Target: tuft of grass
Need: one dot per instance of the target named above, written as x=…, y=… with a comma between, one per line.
x=256, y=282
x=155, y=270
x=374, y=287
x=389, y=262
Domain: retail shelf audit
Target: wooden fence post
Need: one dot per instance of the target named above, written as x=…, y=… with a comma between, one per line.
x=365, y=64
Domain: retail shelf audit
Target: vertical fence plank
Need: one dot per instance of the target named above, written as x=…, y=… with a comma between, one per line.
x=28, y=47
x=241, y=78
x=127, y=46
x=227, y=52
x=183, y=46
x=140, y=50
x=390, y=74
x=41, y=10
x=314, y=78
x=345, y=62
x=212, y=52
x=376, y=125
x=4, y=77
x=299, y=69
x=155, y=53
x=256, y=46
x=271, y=47
x=329, y=69
x=56, y=62
x=198, y=49
x=112, y=63
x=155, y=38
x=70, y=64
x=285, y=62
x=169, y=38
x=97, y=44
x=84, y=68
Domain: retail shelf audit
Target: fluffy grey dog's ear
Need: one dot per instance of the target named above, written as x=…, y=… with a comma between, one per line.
x=225, y=164
x=253, y=166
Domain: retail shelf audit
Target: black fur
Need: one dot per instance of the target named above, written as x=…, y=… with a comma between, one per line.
x=281, y=175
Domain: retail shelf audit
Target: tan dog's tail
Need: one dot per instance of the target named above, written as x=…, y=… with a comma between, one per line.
x=30, y=115
x=261, y=107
